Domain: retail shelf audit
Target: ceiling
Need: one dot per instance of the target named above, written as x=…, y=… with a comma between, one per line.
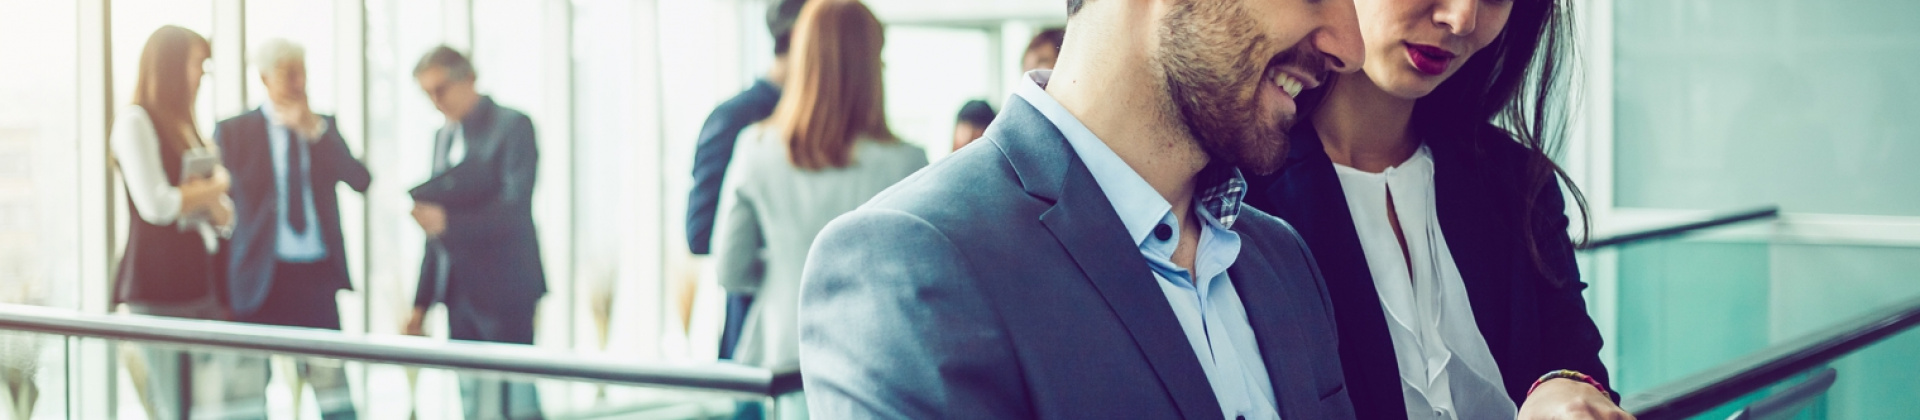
x=967, y=12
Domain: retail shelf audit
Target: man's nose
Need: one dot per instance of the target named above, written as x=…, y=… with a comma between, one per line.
x=1339, y=37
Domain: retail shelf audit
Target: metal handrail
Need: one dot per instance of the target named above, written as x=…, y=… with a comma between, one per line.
x=1717, y=386
x=401, y=350
x=1663, y=232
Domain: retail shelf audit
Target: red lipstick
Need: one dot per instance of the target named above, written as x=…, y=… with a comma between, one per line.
x=1429, y=59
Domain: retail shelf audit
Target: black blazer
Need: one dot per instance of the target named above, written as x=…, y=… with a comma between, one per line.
x=1531, y=326
x=251, y=257
x=490, y=240
x=1000, y=284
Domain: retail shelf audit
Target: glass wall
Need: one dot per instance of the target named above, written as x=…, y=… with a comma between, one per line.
x=1725, y=104
x=1802, y=103
x=39, y=156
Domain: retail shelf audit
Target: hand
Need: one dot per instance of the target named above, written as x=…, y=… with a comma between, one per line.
x=432, y=218
x=1570, y=400
x=220, y=214
x=200, y=194
x=299, y=117
x=416, y=324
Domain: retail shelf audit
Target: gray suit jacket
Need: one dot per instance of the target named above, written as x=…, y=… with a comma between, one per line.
x=770, y=214
x=1000, y=283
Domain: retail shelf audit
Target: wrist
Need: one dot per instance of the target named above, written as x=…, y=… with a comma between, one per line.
x=1570, y=376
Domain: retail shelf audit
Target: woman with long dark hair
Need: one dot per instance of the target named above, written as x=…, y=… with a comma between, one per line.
x=177, y=195
x=1424, y=187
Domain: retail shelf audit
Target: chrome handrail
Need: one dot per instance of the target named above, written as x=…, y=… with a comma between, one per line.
x=1663, y=232
x=1715, y=387
x=401, y=350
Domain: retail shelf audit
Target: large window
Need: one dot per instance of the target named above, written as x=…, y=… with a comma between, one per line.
x=1807, y=104
x=930, y=72
x=39, y=154
x=1803, y=103
x=400, y=125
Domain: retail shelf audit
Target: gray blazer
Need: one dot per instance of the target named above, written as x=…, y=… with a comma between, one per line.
x=770, y=212
x=1000, y=283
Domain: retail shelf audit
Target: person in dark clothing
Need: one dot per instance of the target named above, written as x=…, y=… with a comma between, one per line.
x=715, y=150
x=1425, y=188
x=288, y=258
x=972, y=123
x=483, y=253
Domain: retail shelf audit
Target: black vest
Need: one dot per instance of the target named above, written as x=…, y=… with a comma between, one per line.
x=163, y=264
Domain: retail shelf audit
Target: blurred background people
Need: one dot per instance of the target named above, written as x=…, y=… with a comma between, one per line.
x=177, y=194
x=972, y=123
x=287, y=258
x=715, y=150
x=1043, y=50
x=826, y=150
x=482, y=258
x=1442, y=235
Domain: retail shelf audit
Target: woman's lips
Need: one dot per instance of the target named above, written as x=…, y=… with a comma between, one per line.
x=1429, y=59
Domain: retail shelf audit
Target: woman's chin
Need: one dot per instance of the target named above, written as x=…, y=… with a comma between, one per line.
x=1409, y=86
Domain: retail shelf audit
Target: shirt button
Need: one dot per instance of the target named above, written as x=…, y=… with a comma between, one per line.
x=1234, y=417
x=1164, y=232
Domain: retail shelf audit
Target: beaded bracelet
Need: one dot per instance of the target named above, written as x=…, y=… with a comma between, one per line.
x=1569, y=374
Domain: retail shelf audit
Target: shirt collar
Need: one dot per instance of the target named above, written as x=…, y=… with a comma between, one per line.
x=273, y=118
x=1140, y=207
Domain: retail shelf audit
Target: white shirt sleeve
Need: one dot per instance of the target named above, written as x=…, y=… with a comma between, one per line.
x=136, y=146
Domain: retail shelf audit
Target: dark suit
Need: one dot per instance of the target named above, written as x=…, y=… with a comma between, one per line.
x=264, y=288
x=252, y=265
x=493, y=253
x=1531, y=326
x=1001, y=283
x=489, y=255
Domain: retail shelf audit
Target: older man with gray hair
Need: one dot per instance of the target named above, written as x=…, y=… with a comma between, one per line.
x=287, y=261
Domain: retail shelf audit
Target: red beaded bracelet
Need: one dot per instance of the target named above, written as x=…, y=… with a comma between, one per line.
x=1569, y=374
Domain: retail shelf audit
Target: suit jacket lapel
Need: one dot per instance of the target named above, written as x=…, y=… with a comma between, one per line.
x=1087, y=226
x=1270, y=304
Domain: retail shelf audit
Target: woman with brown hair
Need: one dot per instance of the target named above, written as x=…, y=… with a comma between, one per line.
x=176, y=192
x=1425, y=187
x=826, y=150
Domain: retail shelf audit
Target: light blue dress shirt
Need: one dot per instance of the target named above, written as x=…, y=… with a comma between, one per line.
x=1204, y=300
x=306, y=246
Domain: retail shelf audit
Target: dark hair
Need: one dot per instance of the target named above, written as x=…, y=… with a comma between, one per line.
x=977, y=112
x=1052, y=37
x=1073, y=7
x=161, y=88
x=445, y=57
x=780, y=18
x=1516, y=85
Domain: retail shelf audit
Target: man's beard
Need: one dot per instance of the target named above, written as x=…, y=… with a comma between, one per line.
x=1214, y=79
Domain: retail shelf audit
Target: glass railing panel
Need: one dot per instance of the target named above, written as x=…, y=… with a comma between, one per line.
x=1874, y=382
x=166, y=367
x=1688, y=305
x=235, y=384
x=33, y=380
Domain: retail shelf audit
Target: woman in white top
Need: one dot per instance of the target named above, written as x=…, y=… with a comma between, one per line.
x=177, y=195
x=826, y=150
x=1424, y=188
